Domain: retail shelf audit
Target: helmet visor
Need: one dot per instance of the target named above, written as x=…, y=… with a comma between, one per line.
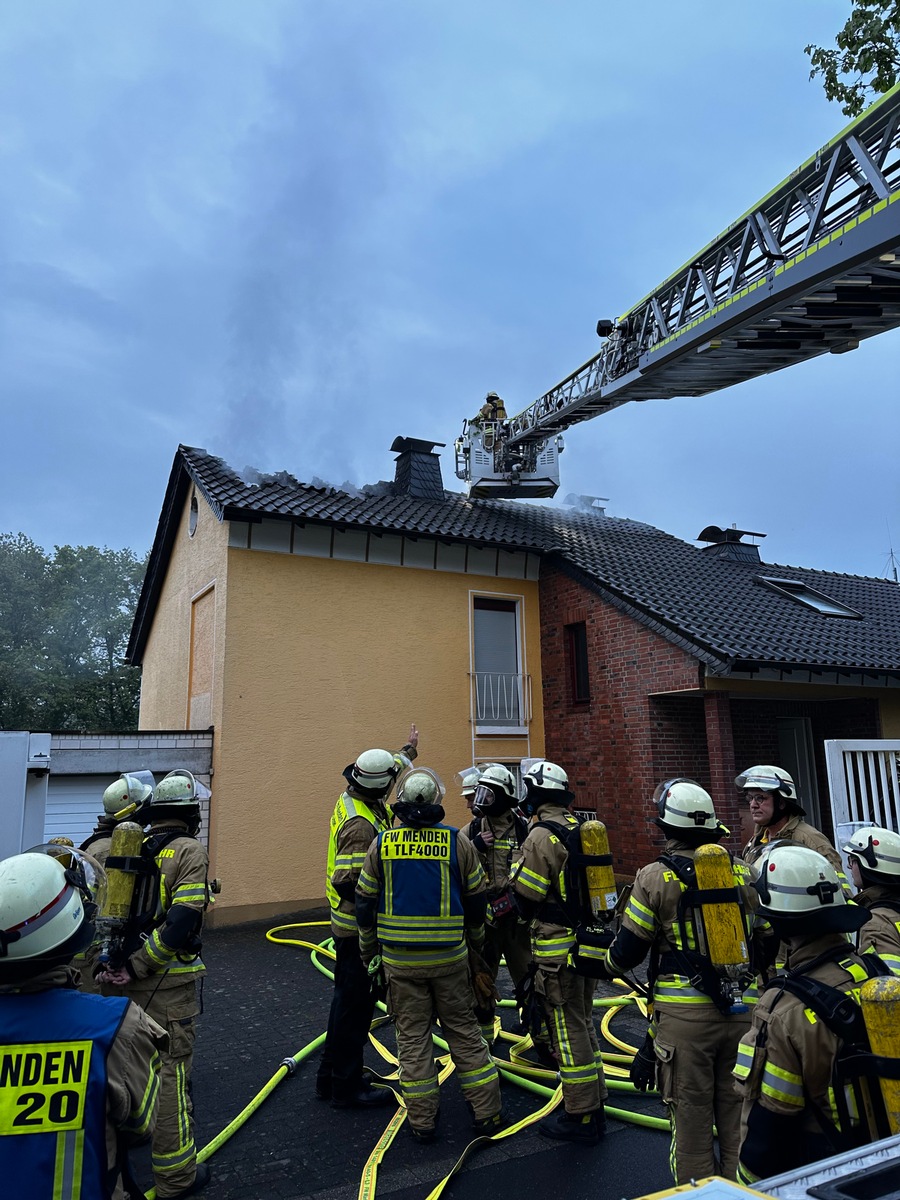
x=755, y=779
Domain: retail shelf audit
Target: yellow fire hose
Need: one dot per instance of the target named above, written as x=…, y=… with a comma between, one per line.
x=516, y=1069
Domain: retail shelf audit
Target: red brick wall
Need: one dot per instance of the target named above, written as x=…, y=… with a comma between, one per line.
x=624, y=741
x=618, y=746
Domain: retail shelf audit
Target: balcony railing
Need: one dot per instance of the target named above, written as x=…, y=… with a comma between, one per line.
x=501, y=701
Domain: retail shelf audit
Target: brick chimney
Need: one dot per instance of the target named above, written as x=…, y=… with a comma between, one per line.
x=417, y=469
x=726, y=543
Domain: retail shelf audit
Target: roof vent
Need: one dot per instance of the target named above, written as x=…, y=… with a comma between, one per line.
x=594, y=504
x=417, y=471
x=726, y=543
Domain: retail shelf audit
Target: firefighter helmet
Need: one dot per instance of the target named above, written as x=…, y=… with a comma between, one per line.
x=796, y=884
x=129, y=792
x=878, y=853
x=373, y=774
x=420, y=785
x=547, y=776
x=496, y=792
x=684, y=804
x=179, y=789
x=44, y=918
x=468, y=780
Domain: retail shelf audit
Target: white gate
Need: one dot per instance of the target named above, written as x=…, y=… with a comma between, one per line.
x=864, y=784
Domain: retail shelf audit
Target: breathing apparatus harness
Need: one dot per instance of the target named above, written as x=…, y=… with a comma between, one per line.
x=693, y=964
x=855, y=1065
x=593, y=936
x=144, y=916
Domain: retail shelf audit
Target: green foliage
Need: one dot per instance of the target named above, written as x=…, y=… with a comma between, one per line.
x=866, y=61
x=64, y=625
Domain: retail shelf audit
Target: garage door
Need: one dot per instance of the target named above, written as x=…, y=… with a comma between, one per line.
x=73, y=804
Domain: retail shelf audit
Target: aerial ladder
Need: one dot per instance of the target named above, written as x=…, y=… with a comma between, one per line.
x=812, y=268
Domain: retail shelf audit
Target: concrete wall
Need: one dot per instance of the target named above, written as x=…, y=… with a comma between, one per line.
x=323, y=659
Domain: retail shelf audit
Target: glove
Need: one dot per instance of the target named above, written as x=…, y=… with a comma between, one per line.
x=377, y=980
x=643, y=1068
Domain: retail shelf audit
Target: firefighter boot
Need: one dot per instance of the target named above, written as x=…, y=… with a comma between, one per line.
x=586, y=1128
x=363, y=1096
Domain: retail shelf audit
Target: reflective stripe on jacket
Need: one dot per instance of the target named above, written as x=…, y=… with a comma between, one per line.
x=348, y=860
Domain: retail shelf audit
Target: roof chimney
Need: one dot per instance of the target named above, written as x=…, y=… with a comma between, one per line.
x=726, y=543
x=417, y=470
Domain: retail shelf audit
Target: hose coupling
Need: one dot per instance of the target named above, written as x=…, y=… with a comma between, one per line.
x=291, y=1064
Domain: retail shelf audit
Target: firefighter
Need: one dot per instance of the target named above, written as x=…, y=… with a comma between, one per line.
x=94, y=1061
x=698, y=1018
x=121, y=801
x=421, y=895
x=497, y=832
x=777, y=814
x=359, y=816
x=566, y=997
x=874, y=858
x=163, y=971
x=798, y=1103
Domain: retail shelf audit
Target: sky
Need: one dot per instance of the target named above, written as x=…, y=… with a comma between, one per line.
x=289, y=231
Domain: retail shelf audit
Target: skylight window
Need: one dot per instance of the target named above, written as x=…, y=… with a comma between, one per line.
x=807, y=595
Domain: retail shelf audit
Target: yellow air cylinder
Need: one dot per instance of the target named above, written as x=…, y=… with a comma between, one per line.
x=601, y=883
x=726, y=941
x=880, y=1000
x=127, y=840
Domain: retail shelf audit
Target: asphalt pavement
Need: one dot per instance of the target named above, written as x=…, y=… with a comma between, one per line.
x=264, y=1002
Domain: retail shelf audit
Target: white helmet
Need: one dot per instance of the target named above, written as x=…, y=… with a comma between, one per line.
x=795, y=882
x=43, y=921
x=767, y=779
x=468, y=780
x=496, y=792
x=179, y=789
x=128, y=793
x=878, y=852
x=420, y=785
x=546, y=775
x=684, y=804
x=373, y=773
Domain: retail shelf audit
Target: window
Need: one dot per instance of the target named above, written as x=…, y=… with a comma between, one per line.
x=809, y=596
x=577, y=650
x=498, y=681
x=193, y=516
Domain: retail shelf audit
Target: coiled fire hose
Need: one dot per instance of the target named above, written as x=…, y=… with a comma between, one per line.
x=534, y=1079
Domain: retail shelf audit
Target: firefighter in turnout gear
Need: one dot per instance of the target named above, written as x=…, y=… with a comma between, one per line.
x=566, y=997
x=122, y=801
x=163, y=970
x=92, y=1063
x=497, y=832
x=360, y=814
x=420, y=896
x=778, y=816
x=698, y=1016
x=874, y=857
x=802, y=1099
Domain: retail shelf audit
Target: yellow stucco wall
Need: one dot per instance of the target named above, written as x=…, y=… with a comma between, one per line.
x=324, y=659
x=196, y=563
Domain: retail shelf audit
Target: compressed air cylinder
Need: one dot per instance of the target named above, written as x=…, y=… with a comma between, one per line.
x=726, y=940
x=601, y=883
x=127, y=840
x=880, y=1000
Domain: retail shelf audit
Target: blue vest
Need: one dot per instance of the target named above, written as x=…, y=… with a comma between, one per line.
x=53, y=1051
x=420, y=905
